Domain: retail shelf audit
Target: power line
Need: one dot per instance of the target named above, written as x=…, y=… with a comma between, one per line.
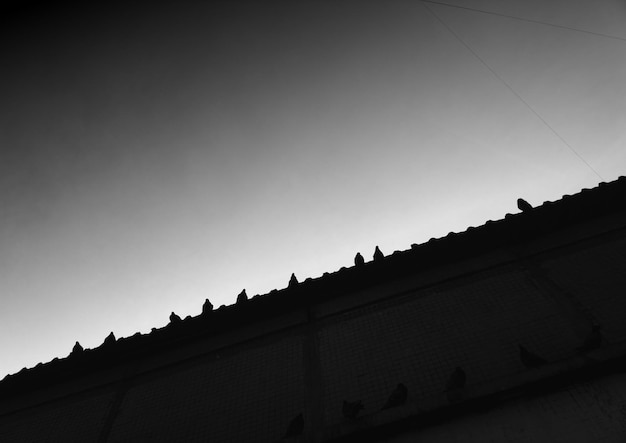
x=482, y=11
x=510, y=88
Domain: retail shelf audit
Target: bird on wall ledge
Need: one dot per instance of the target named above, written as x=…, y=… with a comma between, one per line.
x=529, y=359
x=358, y=259
x=593, y=339
x=77, y=349
x=455, y=385
x=110, y=340
x=242, y=297
x=350, y=409
x=295, y=428
x=378, y=255
x=174, y=319
x=293, y=281
x=207, y=307
x=398, y=397
x=523, y=205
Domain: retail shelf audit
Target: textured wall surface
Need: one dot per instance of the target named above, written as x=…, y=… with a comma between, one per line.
x=246, y=396
x=589, y=412
x=80, y=418
x=596, y=278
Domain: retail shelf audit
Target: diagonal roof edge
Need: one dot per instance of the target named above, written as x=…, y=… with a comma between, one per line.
x=588, y=204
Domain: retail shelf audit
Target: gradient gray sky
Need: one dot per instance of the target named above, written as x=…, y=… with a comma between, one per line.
x=153, y=157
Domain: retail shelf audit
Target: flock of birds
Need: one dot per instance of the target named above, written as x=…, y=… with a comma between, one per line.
x=454, y=387
x=242, y=297
x=207, y=307
x=398, y=397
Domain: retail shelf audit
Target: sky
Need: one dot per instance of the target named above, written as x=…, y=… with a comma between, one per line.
x=154, y=156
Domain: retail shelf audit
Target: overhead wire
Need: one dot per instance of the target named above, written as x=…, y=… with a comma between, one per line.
x=509, y=87
x=499, y=14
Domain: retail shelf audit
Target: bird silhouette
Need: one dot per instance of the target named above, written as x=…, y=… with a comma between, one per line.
x=77, y=349
x=523, y=205
x=397, y=397
x=174, y=319
x=207, y=306
x=242, y=297
x=350, y=409
x=529, y=359
x=109, y=340
x=293, y=281
x=455, y=385
x=593, y=340
x=457, y=379
x=358, y=259
x=378, y=255
x=296, y=426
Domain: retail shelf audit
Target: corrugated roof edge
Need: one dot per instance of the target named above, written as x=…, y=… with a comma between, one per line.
x=605, y=199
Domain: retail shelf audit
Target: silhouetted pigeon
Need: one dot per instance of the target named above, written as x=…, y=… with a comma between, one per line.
x=457, y=379
x=358, y=259
x=378, y=255
x=593, y=340
x=109, y=340
x=456, y=383
x=529, y=359
x=77, y=349
x=523, y=205
x=293, y=281
x=207, y=306
x=242, y=297
x=296, y=426
x=351, y=409
x=174, y=319
x=397, y=397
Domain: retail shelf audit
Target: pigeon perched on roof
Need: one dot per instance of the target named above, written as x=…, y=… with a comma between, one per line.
x=529, y=359
x=358, y=259
x=296, y=426
x=109, y=340
x=523, y=205
x=242, y=297
x=593, y=339
x=77, y=349
x=350, y=409
x=378, y=255
x=174, y=319
x=397, y=397
x=293, y=281
x=207, y=306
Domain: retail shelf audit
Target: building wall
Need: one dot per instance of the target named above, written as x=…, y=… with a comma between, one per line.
x=260, y=386
x=583, y=413
x=76, y=418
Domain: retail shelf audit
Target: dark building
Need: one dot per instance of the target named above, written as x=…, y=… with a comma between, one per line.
x=512, y=331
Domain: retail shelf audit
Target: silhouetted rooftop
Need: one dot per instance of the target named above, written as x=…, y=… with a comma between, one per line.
x=512, y=230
